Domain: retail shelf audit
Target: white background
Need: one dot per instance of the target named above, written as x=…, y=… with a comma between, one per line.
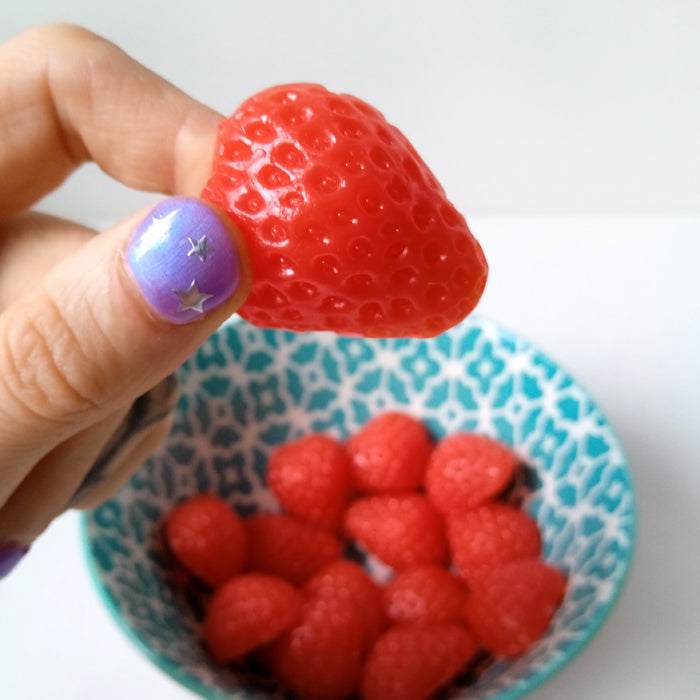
x=568, y=133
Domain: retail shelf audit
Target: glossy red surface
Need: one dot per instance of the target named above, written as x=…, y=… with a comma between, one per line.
x=348, y=229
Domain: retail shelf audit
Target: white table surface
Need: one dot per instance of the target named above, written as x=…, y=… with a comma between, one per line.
x=617, y=301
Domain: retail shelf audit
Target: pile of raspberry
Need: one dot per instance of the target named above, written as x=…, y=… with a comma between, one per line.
x=467, y=578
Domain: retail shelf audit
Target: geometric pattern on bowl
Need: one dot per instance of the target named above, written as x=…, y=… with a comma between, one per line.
x=248, y=389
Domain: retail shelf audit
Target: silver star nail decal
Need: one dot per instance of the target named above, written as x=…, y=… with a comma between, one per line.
x=192, y=299
x=200, y=248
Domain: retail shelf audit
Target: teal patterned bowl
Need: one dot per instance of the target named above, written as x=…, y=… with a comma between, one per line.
x=249, y=389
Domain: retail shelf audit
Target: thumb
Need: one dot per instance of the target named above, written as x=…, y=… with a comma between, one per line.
x=110, y=322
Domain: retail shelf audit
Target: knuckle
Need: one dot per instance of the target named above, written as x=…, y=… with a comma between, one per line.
x=76, y=65
x=59, y=40
x=58, y=33
x=47, y=373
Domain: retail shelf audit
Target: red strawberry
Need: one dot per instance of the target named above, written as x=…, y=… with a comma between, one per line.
x=465, y=469
x=512, y=606
x=414, y=660
x=390, y=453
x=310, y=478
x=283, y=546
x=349, y=582
x=248, y=611
x=489, y=535
x=208, y=538
x=347, y=228
x=321, y=657
x=402, y=530
x=425, y=594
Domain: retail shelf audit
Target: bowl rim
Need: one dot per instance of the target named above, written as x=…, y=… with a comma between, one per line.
x=523, y=686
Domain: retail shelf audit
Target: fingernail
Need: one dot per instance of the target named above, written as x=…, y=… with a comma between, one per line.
x=9, y=558
x=183, y=259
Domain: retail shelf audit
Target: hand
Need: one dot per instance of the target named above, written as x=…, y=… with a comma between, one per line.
x=90, y=323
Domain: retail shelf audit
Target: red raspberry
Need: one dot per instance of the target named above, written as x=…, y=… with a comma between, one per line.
x=512, y=606
x=414, y=660
x=283, y=546
x=425, y=594
x=321, y=657
x=248, y=611
x=390, y=453
x=465, y=469
x=310, y=478
x=489, y=535
x=347, y=228
x=208, y=538
x=402, y=530
x=349, y=582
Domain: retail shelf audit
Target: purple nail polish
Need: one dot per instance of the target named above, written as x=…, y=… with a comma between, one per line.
x=9, y=558
x=184, y=259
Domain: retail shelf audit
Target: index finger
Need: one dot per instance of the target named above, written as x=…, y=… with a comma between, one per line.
x=68, y=96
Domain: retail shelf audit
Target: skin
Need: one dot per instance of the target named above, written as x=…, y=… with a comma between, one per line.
x=77, y=342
